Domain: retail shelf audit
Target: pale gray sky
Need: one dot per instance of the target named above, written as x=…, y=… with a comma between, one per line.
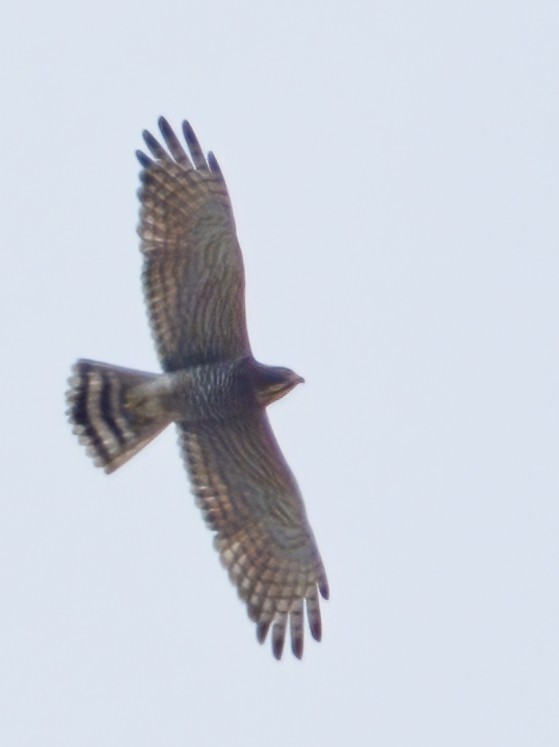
x=394, y=172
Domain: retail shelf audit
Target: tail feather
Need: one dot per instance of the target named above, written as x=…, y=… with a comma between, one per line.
x=106, y=412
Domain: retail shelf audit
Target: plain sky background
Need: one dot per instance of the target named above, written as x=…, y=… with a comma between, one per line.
x=394, y=169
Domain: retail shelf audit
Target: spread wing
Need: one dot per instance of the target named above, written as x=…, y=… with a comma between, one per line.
x=250, y=498
x=193, y=273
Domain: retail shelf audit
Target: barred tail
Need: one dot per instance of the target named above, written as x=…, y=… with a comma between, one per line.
x=112, y=412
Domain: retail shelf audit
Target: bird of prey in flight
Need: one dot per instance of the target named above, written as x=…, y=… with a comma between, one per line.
x=212, y=388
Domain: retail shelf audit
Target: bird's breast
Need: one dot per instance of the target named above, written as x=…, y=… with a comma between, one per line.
x=214, y=392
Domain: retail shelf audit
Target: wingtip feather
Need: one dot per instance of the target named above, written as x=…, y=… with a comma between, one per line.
x=145, y=161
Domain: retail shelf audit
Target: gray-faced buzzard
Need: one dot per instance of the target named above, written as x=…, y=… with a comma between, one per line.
x=212, y=388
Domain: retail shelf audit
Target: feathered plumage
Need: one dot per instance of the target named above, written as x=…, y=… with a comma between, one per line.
x=214, y=390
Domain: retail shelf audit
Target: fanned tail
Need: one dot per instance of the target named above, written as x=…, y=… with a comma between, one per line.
x=112, y=411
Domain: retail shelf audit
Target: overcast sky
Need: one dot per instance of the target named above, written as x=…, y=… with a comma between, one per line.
x=394, y=168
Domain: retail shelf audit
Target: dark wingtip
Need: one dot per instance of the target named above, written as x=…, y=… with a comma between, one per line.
x=213, y=164
x=188, y=132
x=144, y=160
x=196, y=152
x=154, y=145
x=164, y=126
x=148, y=138
x=324, y=589
x=277, y=645
x=297, y=647
x=166, y=130
x=316, y=629
x=313, y=614
x=262, y=631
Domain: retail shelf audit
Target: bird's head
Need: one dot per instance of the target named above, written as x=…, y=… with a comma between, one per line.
x=274, y=382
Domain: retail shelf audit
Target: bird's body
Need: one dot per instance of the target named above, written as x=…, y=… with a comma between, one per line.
x=212, y=388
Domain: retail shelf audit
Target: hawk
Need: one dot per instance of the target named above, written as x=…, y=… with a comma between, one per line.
x=212, y=388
